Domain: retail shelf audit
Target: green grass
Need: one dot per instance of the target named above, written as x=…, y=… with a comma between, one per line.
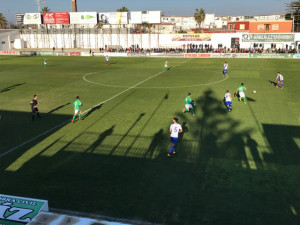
x=241, y=167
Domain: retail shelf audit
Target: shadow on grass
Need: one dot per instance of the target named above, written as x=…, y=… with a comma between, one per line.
x=221, y=175
x=272, y=83
x=92, y=110
x=58, y=108
x=11, y=87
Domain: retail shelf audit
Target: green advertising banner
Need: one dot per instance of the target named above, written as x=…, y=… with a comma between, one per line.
x=268, y=38
x=268, y=56
x=18, y=210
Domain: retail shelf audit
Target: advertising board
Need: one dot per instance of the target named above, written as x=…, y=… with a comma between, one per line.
x=83, y=18
x=136, y=17
x=32, y=18
x=296, y=56
x=275, y=56
x=114, y=18
x=56, y=18
x=18, y=210
x=152, y=17
x=20, y=18
x=9, y=53
x=191, y=37
x=229, y=55
x=74, y=54
x=268, y=37
x=197, y=55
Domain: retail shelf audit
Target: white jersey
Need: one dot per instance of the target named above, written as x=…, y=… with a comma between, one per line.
x=175, y=127
x=279, y=77
x=225, y=66
x=227, y=97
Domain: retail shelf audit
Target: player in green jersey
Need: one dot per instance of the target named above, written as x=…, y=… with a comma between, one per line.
x=166, y=65
x=77, y=104
x=189, y=104
x=241, y=91
x=45, y=62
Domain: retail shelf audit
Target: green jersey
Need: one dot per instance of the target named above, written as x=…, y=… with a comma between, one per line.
x=188, y=100
x=241, y=88
x=76, y=104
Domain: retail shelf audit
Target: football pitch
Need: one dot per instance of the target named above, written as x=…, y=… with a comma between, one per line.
x=239, y=167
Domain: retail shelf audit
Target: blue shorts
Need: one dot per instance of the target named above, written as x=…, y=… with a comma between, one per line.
x=281, y=81
x=224, y=72
x=174, y=140
x=228, y=103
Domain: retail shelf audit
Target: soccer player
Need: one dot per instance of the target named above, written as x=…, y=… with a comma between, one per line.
x=175, y=129
x=228, y=101
x=226, y=66
x=45, y=62
x=189, y=104
x=34, y=108
x=279, y=80
x=77, y=104
x=241, y=91
x=106, y=60
x=166, y=65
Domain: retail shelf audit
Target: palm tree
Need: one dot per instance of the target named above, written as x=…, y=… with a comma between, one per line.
x=45, y=9
x=123, y=9
x=199, y=16
x=3, y=21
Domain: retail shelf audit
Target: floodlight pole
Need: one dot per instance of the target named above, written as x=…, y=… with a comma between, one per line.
x=38, y=2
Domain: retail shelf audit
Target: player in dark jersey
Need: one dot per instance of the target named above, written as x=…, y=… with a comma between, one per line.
x=34, y=108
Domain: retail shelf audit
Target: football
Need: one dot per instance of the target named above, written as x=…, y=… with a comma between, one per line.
x=254, y=92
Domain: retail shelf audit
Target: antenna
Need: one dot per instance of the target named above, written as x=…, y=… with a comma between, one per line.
x=38, y=2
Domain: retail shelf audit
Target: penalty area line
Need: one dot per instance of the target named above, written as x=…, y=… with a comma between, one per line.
x=67, y=121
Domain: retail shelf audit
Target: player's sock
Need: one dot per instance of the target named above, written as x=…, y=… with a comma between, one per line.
x=79, y=116
x=228, y=108
x=32, y=117
x=74, y=117
x=171, y=150
x=193, y=111
x=186, y=110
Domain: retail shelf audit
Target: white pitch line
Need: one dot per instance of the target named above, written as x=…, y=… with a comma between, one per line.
x=65, y=122
x=173, y=87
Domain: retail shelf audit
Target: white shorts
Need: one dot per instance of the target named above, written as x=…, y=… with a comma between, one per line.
x=242, y=94
x=166, y=66
x=77, y=111
x=188, y=106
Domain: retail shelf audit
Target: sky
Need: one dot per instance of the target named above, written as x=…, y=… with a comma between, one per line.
x=169, y=7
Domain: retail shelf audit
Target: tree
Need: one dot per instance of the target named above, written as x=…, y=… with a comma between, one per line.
x=3, y=21
x=123, y=9
x=45, y=9
x=199, y=16
x=293, y=12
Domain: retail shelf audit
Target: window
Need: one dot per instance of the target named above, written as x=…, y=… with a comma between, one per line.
x=242, y=26
x=267, y=27
x=230, y=26
x=275, y=27
x=260, y=27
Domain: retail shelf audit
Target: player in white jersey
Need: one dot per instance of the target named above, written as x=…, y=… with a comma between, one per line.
x=226, y=66
x=175, y=129
x=228, y=101
x=279, y=80
x=106, y=60
x=166, y=65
